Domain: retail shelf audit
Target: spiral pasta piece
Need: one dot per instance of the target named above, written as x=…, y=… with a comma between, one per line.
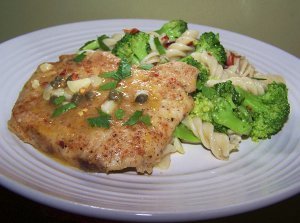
x=153, y=57
x=255, y=82
x=182, y=46
x=269, y=78
x=253, y=86
x=215, y=69
x=241, y=65
x=220, y=144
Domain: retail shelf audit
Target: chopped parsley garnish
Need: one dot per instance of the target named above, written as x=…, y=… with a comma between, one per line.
x=63, y=108
x=134, y=118
x=138, y=117
x=109, y=74
x=102, y=45
x=124, y=71
x=146, y=66
x=96, y=44
x=119, y=113
x=57, y=100
x=146, y=119
x=161, y=50
x=108, y=86
x=102, y=121
x=79, y=57
x=90, y=45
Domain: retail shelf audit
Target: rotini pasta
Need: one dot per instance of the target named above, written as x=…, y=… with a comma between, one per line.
x=173, y=147
x=241, y=65
x=254, y=86
x=220, y=144
x=182, y=46
x=215, y=69
x=241, y=74
x=153, y=57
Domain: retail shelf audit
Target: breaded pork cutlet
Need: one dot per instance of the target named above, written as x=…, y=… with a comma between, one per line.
x=102, y=114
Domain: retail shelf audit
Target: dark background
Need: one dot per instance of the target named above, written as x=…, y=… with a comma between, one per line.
x=15, y=208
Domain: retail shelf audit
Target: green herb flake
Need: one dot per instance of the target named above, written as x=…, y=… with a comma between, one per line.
x=99, y=121
x=161, y=50
x=63, y=108
x=79, y=57
x=119, y=113
x=146, y=119
x=57, y=100
x=134, y=118
x=102, y=121
x=109, y=74
x=108, y=86
x=138, y=117
x=90, y=45
x=146, y=66
x=124, y=71
x=102, y=45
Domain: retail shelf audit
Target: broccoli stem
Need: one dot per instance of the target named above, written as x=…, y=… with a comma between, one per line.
x=232, y=122
x=183, y=133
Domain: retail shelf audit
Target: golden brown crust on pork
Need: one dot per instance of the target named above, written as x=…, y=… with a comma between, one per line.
x=71, y=138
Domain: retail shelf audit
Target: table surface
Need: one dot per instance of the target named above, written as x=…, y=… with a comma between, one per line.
x=14, y=208
x=273, y=21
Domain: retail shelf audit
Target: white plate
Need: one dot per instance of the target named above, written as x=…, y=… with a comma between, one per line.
x=197, y=186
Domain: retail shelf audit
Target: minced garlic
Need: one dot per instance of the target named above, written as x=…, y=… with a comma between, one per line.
x=35, y=84
x=46, y=67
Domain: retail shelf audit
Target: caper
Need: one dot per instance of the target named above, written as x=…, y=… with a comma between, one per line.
x=76, y=98
x=141, y=98
x=90, y=95
x=58, y=82
x=115, y=95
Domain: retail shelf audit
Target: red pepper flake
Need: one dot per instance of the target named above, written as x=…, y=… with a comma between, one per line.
x=191, y=43
x=173, y=80
x=167, y=44
x=44, y=84
x=166, y=41
x=165, y=38
x=131, y=31
x=61, y=144
x=230, y=59
x=63, y=73
x=74, y=77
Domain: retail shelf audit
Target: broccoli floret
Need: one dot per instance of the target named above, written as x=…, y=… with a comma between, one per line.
x=220, y=106
x=269, y=111
x=133, y=47
x=254, y=116
x=210, y=43
x=224, y=114
x=173, y=29
x=203, y=70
